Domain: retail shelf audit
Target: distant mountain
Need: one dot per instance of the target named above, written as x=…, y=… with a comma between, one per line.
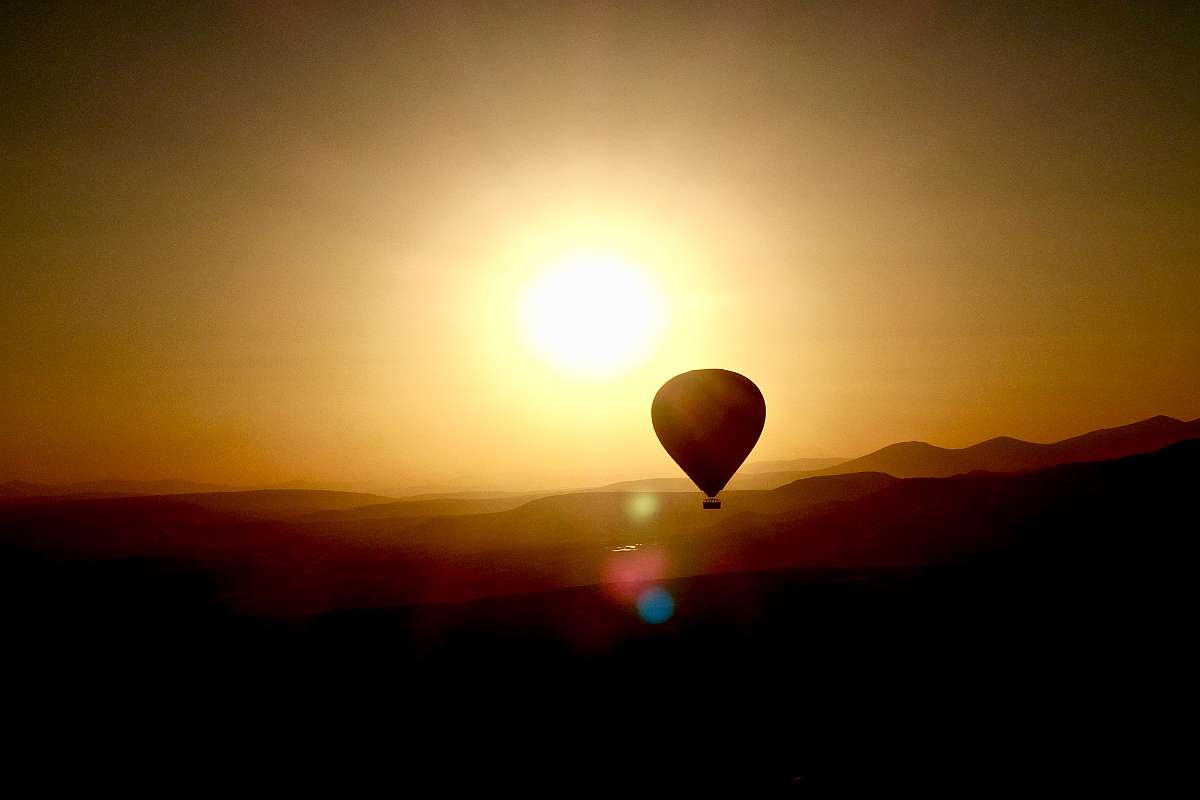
x=754, y=481
x=1005, y=454
x=901, y=460
x=276, y=503
x=434, y=506
x=473, y=495
x=923, y=460
x=792, y=465
x=164, y=486
x=108, y=488
x=647, y=485
x=317, y=486
x=119, y=488
x=26, y=489
x=1067, y=514
x=203, y=508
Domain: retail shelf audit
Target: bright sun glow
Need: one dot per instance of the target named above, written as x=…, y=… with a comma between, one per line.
x=591, y=315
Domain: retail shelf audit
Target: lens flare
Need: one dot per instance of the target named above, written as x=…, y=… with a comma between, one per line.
x=642, y=507
x=630, y=569
x=655, y=605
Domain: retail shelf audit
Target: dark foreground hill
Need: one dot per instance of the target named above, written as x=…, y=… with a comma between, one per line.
x=272, y=551
x=851, y=634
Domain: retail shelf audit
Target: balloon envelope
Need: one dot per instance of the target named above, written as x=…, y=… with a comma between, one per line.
x=709, y=420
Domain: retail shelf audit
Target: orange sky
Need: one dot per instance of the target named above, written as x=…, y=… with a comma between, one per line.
x=246, y=246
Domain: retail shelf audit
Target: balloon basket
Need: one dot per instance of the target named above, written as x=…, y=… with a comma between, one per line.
x=712, y=502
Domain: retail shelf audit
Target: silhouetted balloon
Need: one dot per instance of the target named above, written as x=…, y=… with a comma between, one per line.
x=709, y=420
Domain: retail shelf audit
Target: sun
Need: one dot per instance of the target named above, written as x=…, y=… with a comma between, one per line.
x=591, y=315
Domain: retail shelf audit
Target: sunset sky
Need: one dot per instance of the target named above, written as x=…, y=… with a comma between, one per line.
x=249, y=243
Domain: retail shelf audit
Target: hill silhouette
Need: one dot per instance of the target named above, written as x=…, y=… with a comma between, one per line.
x=753, y=481
x=1006, y=454
x=903, y=460
x=789, y=465
x=844, y=632
x=24, y=490
x=352, y=553
x=920, y=459
x=273, y=503
x=422, y=507
x=107, y=488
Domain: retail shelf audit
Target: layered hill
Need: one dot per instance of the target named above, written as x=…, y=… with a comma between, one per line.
x=924, y=460
x=742, y=481
x=1006, y=454
x=902, y=460
x=269, y=552
x=106, y=488
x=25, y=490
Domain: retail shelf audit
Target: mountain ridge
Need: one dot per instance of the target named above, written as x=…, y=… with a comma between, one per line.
x=272, y=561
x=908, y=459
x=918, y=459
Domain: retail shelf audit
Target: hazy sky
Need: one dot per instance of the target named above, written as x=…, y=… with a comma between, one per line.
x=248, y=242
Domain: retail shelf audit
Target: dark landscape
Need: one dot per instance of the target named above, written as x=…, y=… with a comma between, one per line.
x=841, y=631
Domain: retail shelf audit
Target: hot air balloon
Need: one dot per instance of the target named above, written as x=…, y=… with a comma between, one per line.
x=709, y=420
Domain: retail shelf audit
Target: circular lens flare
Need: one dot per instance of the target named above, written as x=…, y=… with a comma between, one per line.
x=642, y=507
x=655, y=605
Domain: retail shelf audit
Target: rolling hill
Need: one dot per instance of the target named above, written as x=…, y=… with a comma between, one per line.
x=421, y=507
x=839, y=625
x=789, y=465
x=1005, y=454
x=301, y=552
x=923, y=460
x=106, y=488
x=901, y=460
x=742, y=481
